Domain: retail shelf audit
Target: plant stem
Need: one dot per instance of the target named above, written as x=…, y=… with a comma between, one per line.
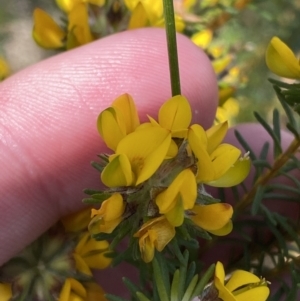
x=172, y=46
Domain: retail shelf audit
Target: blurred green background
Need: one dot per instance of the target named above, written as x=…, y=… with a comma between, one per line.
x=246, y=34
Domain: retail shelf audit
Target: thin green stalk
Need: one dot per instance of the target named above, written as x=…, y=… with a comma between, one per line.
x=172, y=46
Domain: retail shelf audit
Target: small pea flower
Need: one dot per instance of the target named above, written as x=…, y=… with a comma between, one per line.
x=178, y=197
x=108, y=217
x=74, y=290
x=281, y=60
x=137, y=157
x=154, y=234
x=91, y=254
x=149, y=12
x=214, y=218
x=241, y=286
x=46, y=32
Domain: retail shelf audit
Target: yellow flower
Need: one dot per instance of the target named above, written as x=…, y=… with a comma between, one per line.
x=46, y=32
x=117, y=121
x=5, y=292
x=139, y=17
x=77, y=221
x=79, y=32
x=108, y=217
x=154, y=234
x=202, y=38
x=179, y=196
x=242, y=286
x=281, y=60
x=216, y=159
x=68, y=5
x=91, y=254
x=137, y=157
x=4, y=69
x=73, y=290
x=221, y=63
x=149, y=12
x=214, y=218
x=175, y=115
x=154, y=8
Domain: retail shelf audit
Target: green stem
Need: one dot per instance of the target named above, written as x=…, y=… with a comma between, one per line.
x=172, y=46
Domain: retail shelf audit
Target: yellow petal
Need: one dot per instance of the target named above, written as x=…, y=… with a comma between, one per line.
x=197, y=136
x=94, y=292
x=107, y=218
x=175, y=114
x=240, y=278
x=111, y=208
x=281, y=60
x=146, y=244
x=71, y=287
x=165, y=233
x=198, y=142
x=5, y=292
x=126, y=106
x=234, y=175
x=99, y=225
x=202, y=38
x=219, y=272
x=67, y=5
x=77, y=221
x=79, y=25
x=172, y=151
x=81, y=265
x=183, y=187
x=145, y=149
x=221, y=64
x=154, y=9
x=4, y=69
x=157, y=233
x=175, y=216
x=138, y=17
x=215, y=136
x=225, y=93
x=112, y=127
x=212, y=217
x=118, y=172
x=224, y=157
x=224, y=230
x=260, y=293
x=93, y=253
x=224, y=293
x=46, y=32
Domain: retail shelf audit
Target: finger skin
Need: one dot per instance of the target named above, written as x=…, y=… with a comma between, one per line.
x=48, y=114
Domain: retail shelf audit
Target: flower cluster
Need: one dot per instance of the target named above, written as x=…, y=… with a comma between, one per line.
x=58, y=265
x=156, y=175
